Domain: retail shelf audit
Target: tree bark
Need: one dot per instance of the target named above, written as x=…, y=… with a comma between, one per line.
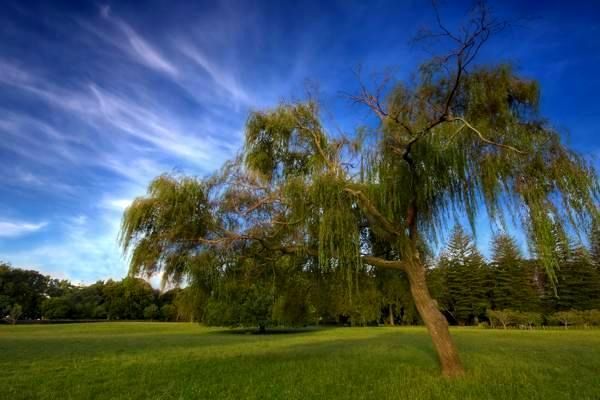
x=391, y=314
x=435, y=321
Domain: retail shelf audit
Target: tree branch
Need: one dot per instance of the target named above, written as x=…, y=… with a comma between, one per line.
x=382, y=263
x=483, y=138
x=372, y=213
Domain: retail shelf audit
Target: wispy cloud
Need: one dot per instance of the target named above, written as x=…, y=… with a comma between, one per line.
x=136, y=46
x=116, y=204
x=13, y=229
x=87, y=251
x=135, y=104
x=218, y=74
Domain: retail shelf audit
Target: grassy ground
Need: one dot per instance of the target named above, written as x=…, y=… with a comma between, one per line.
x=187, y=361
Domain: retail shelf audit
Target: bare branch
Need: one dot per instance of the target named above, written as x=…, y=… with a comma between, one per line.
x=483, y=138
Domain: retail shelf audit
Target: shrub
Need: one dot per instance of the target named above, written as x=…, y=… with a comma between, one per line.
x=168, y=312
x=513, y=318
x=151, y=312
x=566, y=318
x=526, y=319
x=499, y=317
x=591, y=317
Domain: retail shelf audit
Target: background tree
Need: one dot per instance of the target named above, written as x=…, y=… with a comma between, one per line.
x=513, y=286
x=396, y=299
x=128, y=298
x=24, y=287
x=465, y=276
x=15, y=313
x=151, y=312
x=578, y=284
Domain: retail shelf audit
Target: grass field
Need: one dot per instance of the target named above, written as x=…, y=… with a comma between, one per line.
x=188, y=361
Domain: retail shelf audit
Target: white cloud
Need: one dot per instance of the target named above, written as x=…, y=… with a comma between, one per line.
x=116, y=204
x=218, y=73
x=12, y=229
x=87, y=250
x=139, y=49
x=105, y=133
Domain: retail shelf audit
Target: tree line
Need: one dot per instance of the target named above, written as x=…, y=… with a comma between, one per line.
x=510, y=289
x=30, y=295
x=506, y=290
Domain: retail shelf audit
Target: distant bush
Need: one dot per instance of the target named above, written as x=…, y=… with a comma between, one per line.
x=527, y=319
x=151, y=312
x=511, y=318
x=591, y=317
x=575, y=318
x=499, y=317
x=168, y=312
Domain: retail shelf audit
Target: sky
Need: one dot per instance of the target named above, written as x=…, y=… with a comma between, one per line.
x=98, y=98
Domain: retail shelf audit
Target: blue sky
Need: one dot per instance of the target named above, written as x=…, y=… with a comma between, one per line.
x=98, y=98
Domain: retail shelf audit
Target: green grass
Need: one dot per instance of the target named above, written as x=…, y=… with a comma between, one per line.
x=188, y=361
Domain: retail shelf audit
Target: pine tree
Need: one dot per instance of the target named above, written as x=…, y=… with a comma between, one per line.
x=465, y=271
x=513, y=282
x=578, y=285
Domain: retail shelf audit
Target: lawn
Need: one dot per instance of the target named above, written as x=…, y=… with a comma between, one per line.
x=188, y=361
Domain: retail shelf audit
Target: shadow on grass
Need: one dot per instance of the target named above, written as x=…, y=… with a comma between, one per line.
x=271, y=331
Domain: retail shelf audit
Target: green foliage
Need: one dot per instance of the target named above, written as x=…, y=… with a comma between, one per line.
x=151, y=312
x=512, y=279
x=499, y=317
x=293, y=306
x=23, y=287
x=464, y=277
x=163, y=226
x=566, y=318
x=591, y=317
x=190, y=303
x=57, y=308
x=127, y=299
x=15, y=313
x=396, y=298
x=578, y=282
x=285, y=142
x=168, y=312
x=511, y=318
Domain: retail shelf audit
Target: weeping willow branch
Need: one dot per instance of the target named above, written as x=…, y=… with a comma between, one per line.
x=373, y=213
x=483, y=138
x=317, y=142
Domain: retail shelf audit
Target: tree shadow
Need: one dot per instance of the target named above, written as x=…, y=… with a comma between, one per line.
x=271, y=331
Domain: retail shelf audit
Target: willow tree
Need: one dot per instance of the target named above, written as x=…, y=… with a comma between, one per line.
x=459, y=138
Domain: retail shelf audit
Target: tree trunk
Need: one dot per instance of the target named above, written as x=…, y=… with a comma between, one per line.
x=434, y=320
x=391, y=314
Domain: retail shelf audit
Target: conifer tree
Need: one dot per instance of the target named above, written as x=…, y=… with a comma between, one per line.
x=513, y=280
x=578, y=285
x=466, y=278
